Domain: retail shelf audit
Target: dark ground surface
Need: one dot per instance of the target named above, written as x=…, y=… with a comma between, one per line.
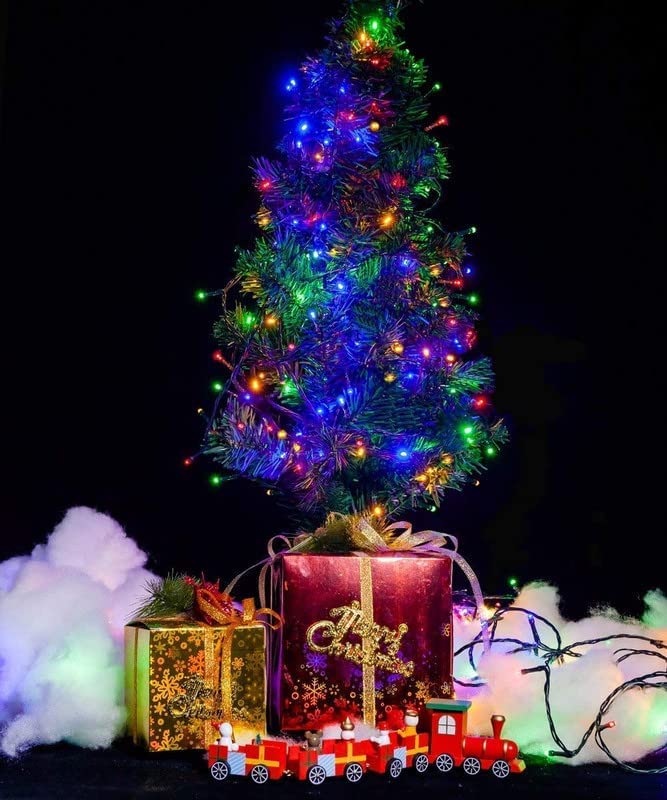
x=64, y=772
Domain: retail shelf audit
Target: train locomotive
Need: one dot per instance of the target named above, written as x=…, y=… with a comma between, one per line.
x=446, y=746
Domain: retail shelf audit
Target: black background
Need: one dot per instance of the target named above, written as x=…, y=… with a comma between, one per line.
x=128, y=128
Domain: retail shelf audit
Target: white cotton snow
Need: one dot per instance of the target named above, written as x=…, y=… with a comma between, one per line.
x=62, y=612
x=578, y=685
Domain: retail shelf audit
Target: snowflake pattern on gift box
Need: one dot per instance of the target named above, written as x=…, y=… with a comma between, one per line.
x=313, y=692
x=317, y=662
x=168, y=686
x=423, y=691
x=196, y=663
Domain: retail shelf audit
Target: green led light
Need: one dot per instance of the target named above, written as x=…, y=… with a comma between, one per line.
x=436, y=87
x=472, y=229
x=200, y=295
x=217, y=386
x=468, y=430
x=469, y=440
x=215, y=480
x=452, y=391
x=248, y=319
x=490, y=451
x=429, y=229
x=473, y=299
x=374, y=25
x=513, y=582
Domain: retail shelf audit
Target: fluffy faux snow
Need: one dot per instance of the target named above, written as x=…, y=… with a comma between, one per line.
x=62, y=612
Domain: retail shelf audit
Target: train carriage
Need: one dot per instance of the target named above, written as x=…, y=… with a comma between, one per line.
x=260, y=762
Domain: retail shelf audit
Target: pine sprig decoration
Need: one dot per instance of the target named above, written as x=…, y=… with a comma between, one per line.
x=172, y=596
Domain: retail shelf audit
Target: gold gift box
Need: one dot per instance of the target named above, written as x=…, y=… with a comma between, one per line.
x=181, y=676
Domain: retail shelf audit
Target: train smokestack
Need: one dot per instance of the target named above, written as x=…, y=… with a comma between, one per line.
x=497, y=722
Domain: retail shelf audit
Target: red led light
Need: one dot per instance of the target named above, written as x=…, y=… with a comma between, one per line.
x=187, y=462
x=264, y=185
x=216, y=355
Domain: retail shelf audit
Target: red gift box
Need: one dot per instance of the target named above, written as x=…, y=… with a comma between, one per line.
x=363, y=636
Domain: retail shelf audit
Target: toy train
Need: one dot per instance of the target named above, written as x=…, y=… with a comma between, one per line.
x=447, y=746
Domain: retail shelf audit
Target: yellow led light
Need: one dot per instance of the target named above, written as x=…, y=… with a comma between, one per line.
x=378, y=511
x=397, y=348
x=421, y=478
x=270, y=321
x=360, y=452
x=374, y=126
x=282, y=434
x=387, y=220
x=255, y=385
x=389, y=377
x=296, y=447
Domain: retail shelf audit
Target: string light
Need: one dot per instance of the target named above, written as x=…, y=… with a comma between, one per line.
x=473, y=299
x=349, y=247
x=387, y=220
x=215, y=480
x=201, y=295
x=187, y=462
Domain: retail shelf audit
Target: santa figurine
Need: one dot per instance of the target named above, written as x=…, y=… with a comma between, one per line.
x=382, y=734
x=227, y=736
x=347, y=730
x=411, y=720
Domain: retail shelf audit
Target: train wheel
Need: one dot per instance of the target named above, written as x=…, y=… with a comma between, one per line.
x=394, y=767
x=354, y=772
x=471, y=766
x=421, y=762
x=444, y=762
x=500, y=768
x=316, y=774
x=220, y=770
x=259, y=773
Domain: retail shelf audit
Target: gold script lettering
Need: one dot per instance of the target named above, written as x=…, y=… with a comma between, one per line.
x=326, y=636
x=197, y=700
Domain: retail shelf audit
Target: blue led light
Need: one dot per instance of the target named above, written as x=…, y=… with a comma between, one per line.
x=316, y=254
x=357, y=138
x=295, y=221
x=403, y=454
x=323, y=226
x=326, y=142
x=350, y=391
x=340, y=285
x=303, y=127
x=312, y=314
x=299, y=143
x=342, y=90
x=341, y=400
x=320, y=410
x=247, y=396
x=468, y=270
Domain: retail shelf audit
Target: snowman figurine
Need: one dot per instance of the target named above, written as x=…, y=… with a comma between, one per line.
x=382, y=737
x=411, y=720
x=347, y=730
x=227, y=736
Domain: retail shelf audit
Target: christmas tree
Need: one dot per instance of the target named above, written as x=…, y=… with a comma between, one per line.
x=352, y=380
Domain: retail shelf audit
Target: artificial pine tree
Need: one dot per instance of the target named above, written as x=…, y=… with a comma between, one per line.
x=353, y=383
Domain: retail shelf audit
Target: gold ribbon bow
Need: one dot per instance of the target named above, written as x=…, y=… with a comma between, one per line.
x=215, y=608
